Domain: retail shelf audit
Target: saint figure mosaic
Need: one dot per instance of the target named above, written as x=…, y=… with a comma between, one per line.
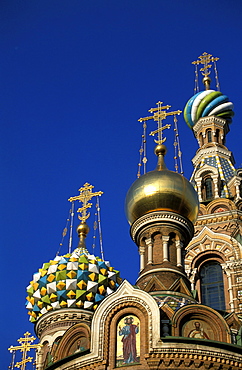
x=128, y=341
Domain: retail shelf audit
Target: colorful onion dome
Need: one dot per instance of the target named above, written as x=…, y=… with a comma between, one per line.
x=76, y=280
x=161, y=190
x=208, y=103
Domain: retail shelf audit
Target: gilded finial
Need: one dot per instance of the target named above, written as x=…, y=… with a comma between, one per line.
x=160, y=151
x=85, y=195
x=24, y=347
x=159, y=115
x=205, y=59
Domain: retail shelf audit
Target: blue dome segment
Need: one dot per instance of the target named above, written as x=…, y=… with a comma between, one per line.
x=77, y=280
x=207, y=103
x=214, y=103
x=188, y=109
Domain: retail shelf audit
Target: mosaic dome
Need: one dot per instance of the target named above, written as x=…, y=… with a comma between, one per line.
x=75, y=280
x=208, y=103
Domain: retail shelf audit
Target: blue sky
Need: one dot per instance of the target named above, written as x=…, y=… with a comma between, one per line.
x=75, y=76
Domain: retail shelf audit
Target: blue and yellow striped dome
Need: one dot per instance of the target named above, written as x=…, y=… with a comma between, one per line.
x=208, y=103
x=76, y=280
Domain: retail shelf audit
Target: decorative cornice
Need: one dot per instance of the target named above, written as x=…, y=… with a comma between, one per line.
x=213, y=150
x=62, y=318
x=172, y=355
x=162, y=269
x=207, y=121
x=190, y=357
x=164, y=217
x=219, y=217
x=232, y=264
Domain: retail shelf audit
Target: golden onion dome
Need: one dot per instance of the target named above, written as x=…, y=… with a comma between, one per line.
x=161, y=190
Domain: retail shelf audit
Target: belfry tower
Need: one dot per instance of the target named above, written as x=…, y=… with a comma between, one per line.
x=214, y=256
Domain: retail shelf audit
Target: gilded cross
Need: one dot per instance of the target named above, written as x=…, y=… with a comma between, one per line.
x=205, y=59
x=24, y=347
x=85, y=195
x=159, y=114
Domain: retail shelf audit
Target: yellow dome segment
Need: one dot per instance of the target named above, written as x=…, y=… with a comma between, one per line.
x=161, y=190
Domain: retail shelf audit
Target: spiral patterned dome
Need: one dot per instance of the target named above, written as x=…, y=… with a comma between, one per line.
x=76, y=280
x=208, y=103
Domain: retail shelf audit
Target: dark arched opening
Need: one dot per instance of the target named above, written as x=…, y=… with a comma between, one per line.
x=212, y=286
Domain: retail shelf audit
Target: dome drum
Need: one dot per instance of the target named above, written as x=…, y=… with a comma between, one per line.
x=61, y=320
x=163, y=218
x=167, y=278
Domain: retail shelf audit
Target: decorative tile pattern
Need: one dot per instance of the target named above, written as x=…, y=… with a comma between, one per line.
x=173, y=302
x=78, y=280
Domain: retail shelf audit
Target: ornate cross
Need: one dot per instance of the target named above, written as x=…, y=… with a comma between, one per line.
x=24, y=347
x=85, y=195
x=158, y=116
x=205, y=59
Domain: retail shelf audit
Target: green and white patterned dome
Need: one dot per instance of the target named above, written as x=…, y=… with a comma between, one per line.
x=75, y=280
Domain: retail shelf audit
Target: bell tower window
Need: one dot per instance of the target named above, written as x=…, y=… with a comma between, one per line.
x=207, y=189
x=217, y=136
x=212, y=286
x=209, y=133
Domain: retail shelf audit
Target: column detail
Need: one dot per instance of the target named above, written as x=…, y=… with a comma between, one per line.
x=179, y=246
x=148, y=242
x=199, y=189
x=142, y=257
x=237, y=189
x=165, y=240
x=215, y=181
x=227, y=270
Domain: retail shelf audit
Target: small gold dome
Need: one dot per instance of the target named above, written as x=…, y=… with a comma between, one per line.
x=161, y=190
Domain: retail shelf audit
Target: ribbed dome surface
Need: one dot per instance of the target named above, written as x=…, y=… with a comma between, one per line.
x=76, y=280
x=208, y=103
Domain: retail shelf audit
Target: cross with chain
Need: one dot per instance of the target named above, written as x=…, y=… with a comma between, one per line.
x=24, y=347
x=205, y=59
x=159, y=113
x=85, y=195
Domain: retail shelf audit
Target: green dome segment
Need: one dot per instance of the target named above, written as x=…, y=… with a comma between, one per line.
x=207, y=103
x=76, y=280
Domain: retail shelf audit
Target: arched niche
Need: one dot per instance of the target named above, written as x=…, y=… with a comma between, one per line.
x=127, y=301
x=200, y=322
x=75, y=340
x=220, y=205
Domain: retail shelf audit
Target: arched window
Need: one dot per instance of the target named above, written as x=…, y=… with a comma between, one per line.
x=217, y=135
x=209, y=132
x=212, y=286
x=208, y=185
